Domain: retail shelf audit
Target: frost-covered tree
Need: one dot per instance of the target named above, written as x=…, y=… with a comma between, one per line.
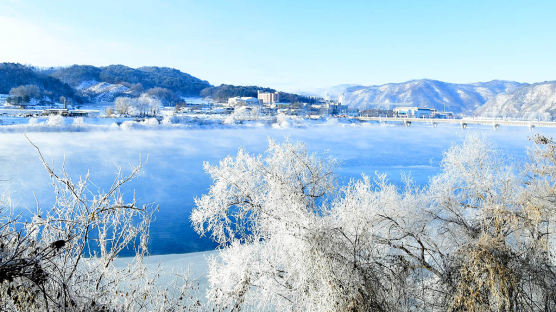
x=242, y=113
x=123, y=105
x=287, y=245
x=477, y=238
x=23, y=95
x=260, y=206
x=166, y=96
x=145, y=105
x=62, y=258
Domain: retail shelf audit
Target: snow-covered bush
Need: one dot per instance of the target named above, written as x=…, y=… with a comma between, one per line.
x=242, y=113
x=61, y=258
x=79, y=122
x=477, y=238
x=284, y=121
x=150, y=122
x=55, y=121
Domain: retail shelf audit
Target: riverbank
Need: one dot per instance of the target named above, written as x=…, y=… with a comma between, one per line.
x=194, y=265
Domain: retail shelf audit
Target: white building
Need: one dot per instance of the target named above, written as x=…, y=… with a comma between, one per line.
x=425, y=113
x=240, y=101
x=405, y=111
x=268, y=97
x=414, y=112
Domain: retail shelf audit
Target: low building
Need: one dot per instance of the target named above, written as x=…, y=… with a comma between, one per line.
x=337, y=109
x=84, y=113
x=405, y=111
x=241, y=101
x=425, y=113
x=70, y=113
x=414, y=112
x=377, y=112
x=444, y=115
x=55, y=111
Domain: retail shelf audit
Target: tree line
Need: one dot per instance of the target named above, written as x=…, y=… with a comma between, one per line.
x=223, y=92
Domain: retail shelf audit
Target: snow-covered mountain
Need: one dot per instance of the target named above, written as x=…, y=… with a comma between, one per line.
x=534, y=101
x=103, y=92
x=329, y=93
x=458, y=98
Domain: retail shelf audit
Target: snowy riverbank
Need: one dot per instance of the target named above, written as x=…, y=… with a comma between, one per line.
x=194, y=265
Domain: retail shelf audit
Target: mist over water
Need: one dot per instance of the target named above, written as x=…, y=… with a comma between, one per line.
x=173, y=176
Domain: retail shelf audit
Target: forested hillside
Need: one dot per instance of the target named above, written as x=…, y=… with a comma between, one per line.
x=91, y=84
x=149, y=77
x=14, y=75
x=224, y=92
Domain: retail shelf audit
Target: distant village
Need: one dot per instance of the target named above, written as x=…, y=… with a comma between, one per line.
x=124, y=93
x=266, y=104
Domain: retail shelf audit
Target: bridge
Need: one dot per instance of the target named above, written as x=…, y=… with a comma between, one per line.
x=464, y=122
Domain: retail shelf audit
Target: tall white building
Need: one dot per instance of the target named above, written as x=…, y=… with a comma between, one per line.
x=268, y=97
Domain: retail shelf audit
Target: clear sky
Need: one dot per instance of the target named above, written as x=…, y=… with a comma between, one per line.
x=291, y=44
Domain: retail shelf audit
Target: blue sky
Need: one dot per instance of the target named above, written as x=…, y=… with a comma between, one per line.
x=291, y=45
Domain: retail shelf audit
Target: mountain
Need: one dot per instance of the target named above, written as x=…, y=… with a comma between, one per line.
x=102, y=85
x=14, y=75
x=457, y=98
x=534, y=101
x=148, y=77
x=330, y=93
x=91, y=84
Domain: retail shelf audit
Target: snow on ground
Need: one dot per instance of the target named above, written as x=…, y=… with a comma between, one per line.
x=194, y=265
x=105, y=87
x=86, y=84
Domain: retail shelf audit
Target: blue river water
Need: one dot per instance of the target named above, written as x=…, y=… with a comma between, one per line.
x=173, y=176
